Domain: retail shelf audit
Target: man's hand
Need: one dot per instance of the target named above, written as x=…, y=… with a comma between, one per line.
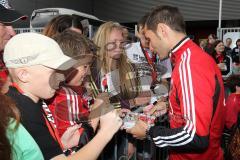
x=139, y=130
x=159, y=109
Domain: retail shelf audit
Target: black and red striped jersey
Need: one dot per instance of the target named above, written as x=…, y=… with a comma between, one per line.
x=196, y=102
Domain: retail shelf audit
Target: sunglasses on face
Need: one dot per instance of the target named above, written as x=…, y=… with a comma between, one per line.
x=121, y=44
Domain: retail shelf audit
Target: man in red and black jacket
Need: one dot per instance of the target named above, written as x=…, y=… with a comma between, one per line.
x=196, y=97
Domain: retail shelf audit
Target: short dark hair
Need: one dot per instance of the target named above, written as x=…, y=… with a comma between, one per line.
x=217, y=42
x=143, y=20
x=229, y=38
x=75, y=44
x=168, y=15
x=237, y=41
x=232, y=82
x=213, y=36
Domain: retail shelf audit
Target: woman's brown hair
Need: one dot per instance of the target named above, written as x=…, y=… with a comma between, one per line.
x=8, y=111
x=61, y=23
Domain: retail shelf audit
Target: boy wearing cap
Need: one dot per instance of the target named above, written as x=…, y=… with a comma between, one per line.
x=7, y=16
x=32, y=60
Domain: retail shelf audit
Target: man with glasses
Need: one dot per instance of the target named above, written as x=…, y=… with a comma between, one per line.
x=7, y=17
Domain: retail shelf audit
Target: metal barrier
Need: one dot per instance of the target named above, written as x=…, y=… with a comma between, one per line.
x=117, y=149
x=24, y=30
x=145, y=150
x=223, y=31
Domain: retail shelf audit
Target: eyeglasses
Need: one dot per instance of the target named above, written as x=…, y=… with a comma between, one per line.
x=121, y=44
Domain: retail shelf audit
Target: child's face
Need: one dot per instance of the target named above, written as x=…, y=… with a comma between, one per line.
x=43, y=81
x=79, y=72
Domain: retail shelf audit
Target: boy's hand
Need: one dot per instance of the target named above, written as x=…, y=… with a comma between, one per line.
x=110, y=122
x=70, y=137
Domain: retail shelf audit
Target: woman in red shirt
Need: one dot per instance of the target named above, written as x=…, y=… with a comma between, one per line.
x=223, y=61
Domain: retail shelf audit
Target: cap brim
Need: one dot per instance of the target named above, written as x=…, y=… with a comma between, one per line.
x=63, y=63
x=10, y=16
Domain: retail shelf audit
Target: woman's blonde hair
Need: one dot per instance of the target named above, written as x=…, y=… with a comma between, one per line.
x=128, y=81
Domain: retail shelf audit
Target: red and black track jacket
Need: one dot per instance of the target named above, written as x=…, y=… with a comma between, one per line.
x=196, y=101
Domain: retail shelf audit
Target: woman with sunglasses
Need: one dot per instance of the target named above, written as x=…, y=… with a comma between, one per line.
x=116, y=75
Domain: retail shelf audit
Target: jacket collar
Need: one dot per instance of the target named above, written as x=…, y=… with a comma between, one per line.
x=173, y=52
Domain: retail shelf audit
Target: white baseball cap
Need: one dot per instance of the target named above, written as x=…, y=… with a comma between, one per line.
x=28, y=49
